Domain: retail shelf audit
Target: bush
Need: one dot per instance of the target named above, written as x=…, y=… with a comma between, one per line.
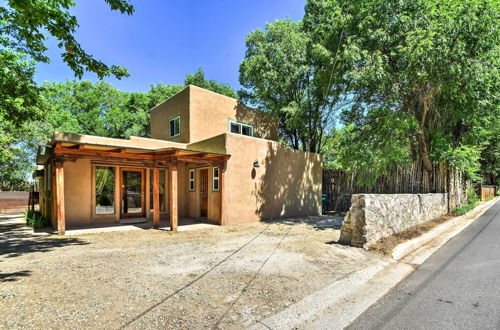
x=472, y=197
x=463, y=209
x=35, y=219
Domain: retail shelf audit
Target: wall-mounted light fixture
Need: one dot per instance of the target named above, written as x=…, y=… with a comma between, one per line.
x=256, y=164
x=42, y=148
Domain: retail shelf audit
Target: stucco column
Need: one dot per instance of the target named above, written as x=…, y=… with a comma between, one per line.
x=59, y=198
x=174, y=212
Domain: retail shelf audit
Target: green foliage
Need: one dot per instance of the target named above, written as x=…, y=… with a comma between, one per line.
x=371, y=146
x=198, y=79
x=282, y=73
x=472, y=202
x=25, y=26
x=35, y=219
x=463, y=209
x=472, y=197
x=435, y=61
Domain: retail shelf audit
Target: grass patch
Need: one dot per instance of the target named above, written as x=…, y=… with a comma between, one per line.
x=35, y=219
x=464, y=209
x=387, y=244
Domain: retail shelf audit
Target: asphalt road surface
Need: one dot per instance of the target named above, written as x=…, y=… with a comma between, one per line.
x=458, y=287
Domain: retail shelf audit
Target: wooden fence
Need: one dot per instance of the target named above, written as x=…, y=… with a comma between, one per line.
x=13, y=202
x=339, y=186
x=486, y=191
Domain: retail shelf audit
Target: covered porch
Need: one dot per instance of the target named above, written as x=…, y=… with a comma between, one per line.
x=130, y=186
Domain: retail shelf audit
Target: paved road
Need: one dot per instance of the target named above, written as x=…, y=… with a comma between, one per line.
x=458, y=287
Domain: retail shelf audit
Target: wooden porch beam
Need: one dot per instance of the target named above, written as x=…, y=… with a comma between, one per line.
x=59, y=202
x=97, y=153
x=156, y=197
x=174, y=212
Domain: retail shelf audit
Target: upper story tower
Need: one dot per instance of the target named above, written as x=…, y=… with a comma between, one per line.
x=195, y=114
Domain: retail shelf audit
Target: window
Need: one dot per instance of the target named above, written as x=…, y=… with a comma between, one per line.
x=104, y=190
x=191, y=180
x=216, y=179
x=240, y=128
x=175, y=126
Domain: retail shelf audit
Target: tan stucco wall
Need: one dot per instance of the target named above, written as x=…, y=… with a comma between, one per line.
x=205, y=114
x=287, y=183
x=211, y=112
x=77, y=193
x=177, y=105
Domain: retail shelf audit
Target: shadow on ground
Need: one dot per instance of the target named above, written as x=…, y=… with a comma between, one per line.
x=317, y=222
x=16, y=239
x=12, y=277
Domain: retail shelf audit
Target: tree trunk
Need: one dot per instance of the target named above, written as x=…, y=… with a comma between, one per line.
x=422, y=144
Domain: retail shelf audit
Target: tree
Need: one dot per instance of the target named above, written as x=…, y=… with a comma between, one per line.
x=198, y=79
x=436, y=61
x=26, y=23
x=19, y=102
x=285, y=74
x=24, y=27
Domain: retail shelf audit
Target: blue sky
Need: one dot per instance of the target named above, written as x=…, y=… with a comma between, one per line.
x=165, y=39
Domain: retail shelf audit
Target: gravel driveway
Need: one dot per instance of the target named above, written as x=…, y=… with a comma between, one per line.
x=224, y=277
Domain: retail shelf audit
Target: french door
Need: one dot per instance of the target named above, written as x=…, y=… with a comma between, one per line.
x=132, y=193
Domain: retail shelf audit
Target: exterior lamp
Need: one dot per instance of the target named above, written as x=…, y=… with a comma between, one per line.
x=256, y=164
x=43, y=148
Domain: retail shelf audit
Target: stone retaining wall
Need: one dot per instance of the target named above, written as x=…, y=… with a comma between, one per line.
x=373, y=216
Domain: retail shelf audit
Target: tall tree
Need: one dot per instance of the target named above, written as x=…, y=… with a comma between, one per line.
x=437, y=61
x=285, y=74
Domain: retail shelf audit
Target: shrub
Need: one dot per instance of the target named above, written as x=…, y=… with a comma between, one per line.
x=35, y=219
x=472, y=197
x=463, y=209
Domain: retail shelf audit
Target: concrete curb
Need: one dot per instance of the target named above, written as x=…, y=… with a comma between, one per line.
x=403, y=249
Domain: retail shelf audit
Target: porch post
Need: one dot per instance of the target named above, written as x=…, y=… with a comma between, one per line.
x=156, y=197
x=118, y=189
x=59, y=202
x=173, y=198
x=222, y=204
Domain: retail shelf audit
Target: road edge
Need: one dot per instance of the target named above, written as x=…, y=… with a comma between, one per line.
x=339, y=304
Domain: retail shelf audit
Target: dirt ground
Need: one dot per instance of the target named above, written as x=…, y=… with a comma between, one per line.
x=224, y=277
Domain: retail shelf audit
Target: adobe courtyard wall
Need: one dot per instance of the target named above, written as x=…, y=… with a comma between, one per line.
x=374, y=216
x=287, y=182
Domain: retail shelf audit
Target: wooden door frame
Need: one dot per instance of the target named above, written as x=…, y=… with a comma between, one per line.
x=143, y=192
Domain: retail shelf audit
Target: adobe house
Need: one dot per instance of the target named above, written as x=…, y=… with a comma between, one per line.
x=210, y=159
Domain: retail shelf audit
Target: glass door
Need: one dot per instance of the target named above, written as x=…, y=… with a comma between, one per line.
x=132, y=193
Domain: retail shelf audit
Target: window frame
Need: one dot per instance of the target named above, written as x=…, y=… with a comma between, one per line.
x=192, y=180
x=94, y=193
x=241, y=125
x=215, y=178
x=170, y=126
